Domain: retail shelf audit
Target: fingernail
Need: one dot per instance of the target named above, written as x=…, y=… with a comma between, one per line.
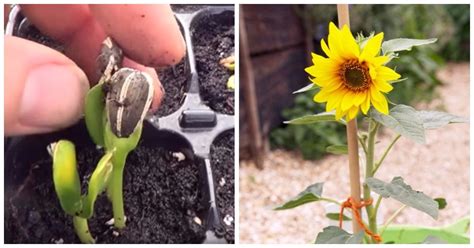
x=53, y=96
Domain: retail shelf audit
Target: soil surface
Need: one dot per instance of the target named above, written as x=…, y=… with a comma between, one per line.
x=187, y=8
x=161, y=201
x=439, y=168
x=222, y=162
x=213, y=40
x=174, y=81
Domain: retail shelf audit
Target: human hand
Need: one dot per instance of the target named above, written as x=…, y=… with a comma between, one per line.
x=45, y=90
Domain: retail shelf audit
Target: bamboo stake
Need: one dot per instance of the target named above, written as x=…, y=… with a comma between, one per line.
x=351, y=129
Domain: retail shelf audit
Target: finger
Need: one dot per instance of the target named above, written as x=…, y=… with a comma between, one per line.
x=158, y=88
x=75, y=27
x=148, y=34
x=82, y=35
x=44, y=90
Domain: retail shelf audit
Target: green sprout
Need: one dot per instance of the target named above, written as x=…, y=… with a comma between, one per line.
x=114, y=112
x=68, y=186
x=229, y=63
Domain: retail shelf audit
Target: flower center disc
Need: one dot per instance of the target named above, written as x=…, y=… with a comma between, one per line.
x=355, y=75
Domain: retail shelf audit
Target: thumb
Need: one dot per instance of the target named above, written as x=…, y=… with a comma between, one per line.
x=44, y=90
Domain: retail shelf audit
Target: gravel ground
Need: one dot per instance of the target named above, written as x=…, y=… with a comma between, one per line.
x=440, y=169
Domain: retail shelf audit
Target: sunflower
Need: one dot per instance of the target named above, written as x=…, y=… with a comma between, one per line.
x=351, y=77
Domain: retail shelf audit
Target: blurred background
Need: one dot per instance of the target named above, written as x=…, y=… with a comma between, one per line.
x=278, y=161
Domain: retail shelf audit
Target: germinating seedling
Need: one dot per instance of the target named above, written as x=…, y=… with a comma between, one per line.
x=229, y=63
x=114, y=112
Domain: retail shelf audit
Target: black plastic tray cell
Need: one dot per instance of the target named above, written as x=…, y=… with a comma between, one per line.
x=172, y=180
x=222, y=161
x=213, y=39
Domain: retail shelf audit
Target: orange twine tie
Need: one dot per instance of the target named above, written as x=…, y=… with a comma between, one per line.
x=349, y=203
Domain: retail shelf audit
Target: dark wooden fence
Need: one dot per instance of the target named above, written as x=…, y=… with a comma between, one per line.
x=277, y=49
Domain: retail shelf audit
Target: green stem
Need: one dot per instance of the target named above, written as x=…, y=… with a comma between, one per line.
x=366, y=239
x=114, y=189
x=392, y=218
x=377, y=205
x=369, y=168
x=82, y=230
x=378, y=164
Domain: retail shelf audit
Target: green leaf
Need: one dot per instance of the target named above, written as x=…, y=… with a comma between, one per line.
x=337, y=149
x=335, y=235
x=308, y=87
x=398, y=190
x=403, y=44
x=442, y=203
x=311, y=194
x=310, y=119
x=94, y=114
x=437, y=119
x=460, y=226
x=335, y=216
x=411, y=234
x=97, y=184
x=66, y=177
x=404, y=120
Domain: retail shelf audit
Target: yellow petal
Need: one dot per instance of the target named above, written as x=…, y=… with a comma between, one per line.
x=359, y=98
x=323, y=81
x=315, y=81
x=380, y=103
x=376, y=95
x=330, y=105
x=350, y=42
x=334, y=100
x=380, y=60
x=325, y=69
x=372, y=47
x=366, y=104
x=317, y=59
x=321, y=96
x=372, y=72
x=347, y=101
x=311, y=70
x=352, y=113
x=325, y=48
x=334, y=40
x=383, y=86
x=387, y=74
x=339, y=113
x=333, y=85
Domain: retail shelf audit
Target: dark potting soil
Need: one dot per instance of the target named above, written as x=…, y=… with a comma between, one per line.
x=186, y=8
x=222, y=162
x=213, y=40
x=161, y=201
x=174, y=81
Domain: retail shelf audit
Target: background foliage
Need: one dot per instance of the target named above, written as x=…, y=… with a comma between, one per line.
x=449, y=23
